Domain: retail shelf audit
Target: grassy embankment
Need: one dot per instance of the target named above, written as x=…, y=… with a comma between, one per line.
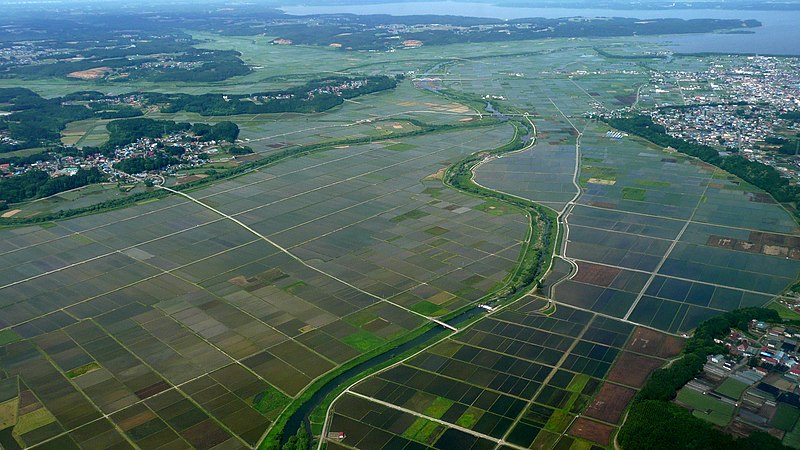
x=534, y=258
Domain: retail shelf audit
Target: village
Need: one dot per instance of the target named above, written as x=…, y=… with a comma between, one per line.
x=752, y=387
x=740, y=105
x=180, y=150
x=27, y=53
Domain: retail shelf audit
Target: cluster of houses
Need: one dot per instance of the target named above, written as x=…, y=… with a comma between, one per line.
x=770, y=81
x=764, y=363
x=5, y=139
x=736, y=104
x=195, y=153
x=27, y=53
x=737, y=100
x=335, y=89
x=59, y=166
x=338, y=89
x=733, y=126
x=171, y=63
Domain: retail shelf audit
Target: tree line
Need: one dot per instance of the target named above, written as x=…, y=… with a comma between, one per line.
x=295, y=99
x=760, y=175
x=37, y=184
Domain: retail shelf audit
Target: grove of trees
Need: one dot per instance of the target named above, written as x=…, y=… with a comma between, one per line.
x=37, y=184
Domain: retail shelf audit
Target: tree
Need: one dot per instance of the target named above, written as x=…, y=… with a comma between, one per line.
x=127, y=131
x=36, y=183
x=300, y=441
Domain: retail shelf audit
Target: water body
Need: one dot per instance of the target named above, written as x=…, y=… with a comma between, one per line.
x=778, y=35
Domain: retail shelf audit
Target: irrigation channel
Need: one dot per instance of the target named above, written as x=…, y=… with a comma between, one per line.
x=300, y=417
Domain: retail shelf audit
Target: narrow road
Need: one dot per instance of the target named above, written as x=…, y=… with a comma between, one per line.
x=563, y=215
x=668, y=252
x=301, y=261
x=499, y=442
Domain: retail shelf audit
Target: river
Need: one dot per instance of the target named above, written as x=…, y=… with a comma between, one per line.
x=779, y=33
x=300, y=417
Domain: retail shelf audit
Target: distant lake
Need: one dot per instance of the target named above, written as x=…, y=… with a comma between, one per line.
x=779, y=33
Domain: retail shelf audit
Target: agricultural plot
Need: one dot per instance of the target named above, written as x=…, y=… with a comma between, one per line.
x=516, y=377
x=731, y=388
x=77, y=198
x=167, y=324
x=792, y=437
x=785, y=417
x=376, y=115
x=85, y=133
x=707, y=407
x=542, y=173
x=659, y=239
x=545, y=172
x=650, y=247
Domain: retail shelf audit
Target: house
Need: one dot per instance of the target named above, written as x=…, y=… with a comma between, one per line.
x=777, y=331
x=769, y=360
x=743, y=347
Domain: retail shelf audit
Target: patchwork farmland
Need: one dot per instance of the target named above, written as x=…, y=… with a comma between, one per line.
x=202, y=319
x=192, y=329
x=655, y=243
x=522, y=377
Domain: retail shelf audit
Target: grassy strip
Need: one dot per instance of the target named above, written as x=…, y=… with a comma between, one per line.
x=272, y=439
x=536, y=257
x=783, y=311
x=86, y=368
x=532, y=260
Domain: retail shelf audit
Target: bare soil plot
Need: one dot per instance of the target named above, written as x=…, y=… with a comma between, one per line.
x=654, y=343
x=610, y=403
x=592, y=431
x=90, y=74
x=766, y=243
x=632, y=370
x=596, y=274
